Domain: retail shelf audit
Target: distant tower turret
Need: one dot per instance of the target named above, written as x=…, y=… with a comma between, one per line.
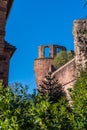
x=43, y=63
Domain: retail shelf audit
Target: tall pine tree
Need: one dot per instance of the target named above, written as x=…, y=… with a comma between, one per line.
x=52, y=87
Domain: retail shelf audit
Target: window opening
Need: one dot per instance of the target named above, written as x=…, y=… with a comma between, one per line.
x=58, y=50
x=47, y=52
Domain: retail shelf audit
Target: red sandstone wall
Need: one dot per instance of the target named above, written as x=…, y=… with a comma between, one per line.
x=41, y=68
x=3, y=10
x=6, y=67
x=66, y=75
x=4, y=54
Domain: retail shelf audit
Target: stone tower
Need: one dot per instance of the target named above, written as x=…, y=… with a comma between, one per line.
x=42, y=64
x=80, y=43
x=6, y=50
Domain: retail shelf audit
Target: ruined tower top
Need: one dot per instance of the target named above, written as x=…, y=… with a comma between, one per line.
x=44, y=62
x=54, y=49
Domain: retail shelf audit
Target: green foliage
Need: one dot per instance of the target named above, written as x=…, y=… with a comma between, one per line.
x=8, y=118
x=62, y=58
x=22, y=111
x=70, y=55
x=47, y=116
x=19, y=110
x=13, y=107
x=79, y=97
x=52, y=87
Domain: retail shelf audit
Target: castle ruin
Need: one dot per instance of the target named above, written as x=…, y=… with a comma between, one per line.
x=66, y=74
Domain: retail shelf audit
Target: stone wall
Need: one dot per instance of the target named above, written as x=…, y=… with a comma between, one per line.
x=41, y=68
x=3, y=11
x=66, y=76
x=42, y=64
x=6, y=50
x=6, y=68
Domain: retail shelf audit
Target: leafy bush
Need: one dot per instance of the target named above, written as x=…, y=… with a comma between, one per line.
x=19, y=110
x=8, y=110
x=22, y=111
x=13, y=107
x=79, y=97
x=62, y=58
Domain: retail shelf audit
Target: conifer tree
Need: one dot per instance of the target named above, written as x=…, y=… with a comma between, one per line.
x=52, y=87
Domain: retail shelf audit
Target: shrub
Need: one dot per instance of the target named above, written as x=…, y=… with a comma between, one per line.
x=62, y=58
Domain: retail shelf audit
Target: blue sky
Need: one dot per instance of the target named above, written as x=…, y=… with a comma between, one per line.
x=37, y=22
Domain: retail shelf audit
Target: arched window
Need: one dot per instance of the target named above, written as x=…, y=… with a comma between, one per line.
x=46, y=52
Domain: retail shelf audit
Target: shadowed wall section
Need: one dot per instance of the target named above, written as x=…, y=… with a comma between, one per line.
x=6, y=50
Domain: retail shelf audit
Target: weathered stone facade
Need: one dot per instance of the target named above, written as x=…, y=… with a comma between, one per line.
x=42, y=64
x=6, y=50
x=67, y=74
x=80, y=43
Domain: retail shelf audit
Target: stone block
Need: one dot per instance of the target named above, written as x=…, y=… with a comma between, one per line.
x=3, y=3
